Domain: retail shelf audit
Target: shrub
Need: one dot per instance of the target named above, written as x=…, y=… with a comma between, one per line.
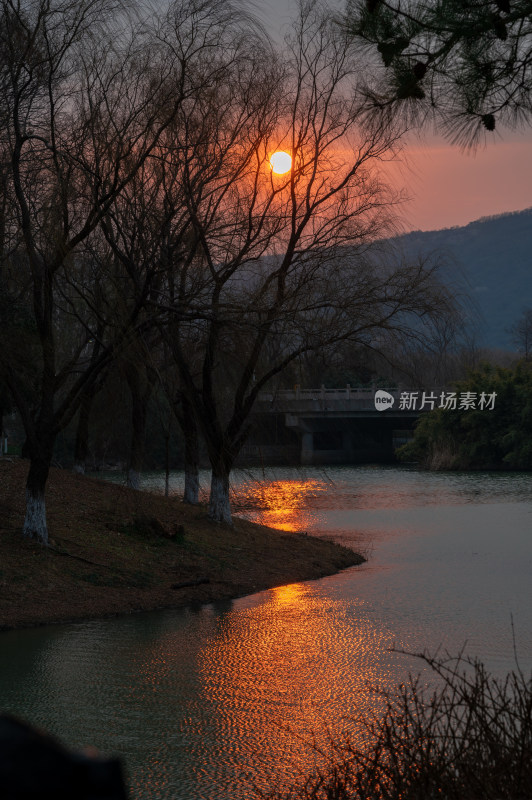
x=480, y=439
x=471, y=739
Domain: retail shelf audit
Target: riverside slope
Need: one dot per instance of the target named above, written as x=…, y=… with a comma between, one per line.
x=116, y=550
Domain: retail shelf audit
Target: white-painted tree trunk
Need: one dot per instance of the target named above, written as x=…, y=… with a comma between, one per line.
x=35, y=521
x=133, y=479
x=219, y=506
x=79, y=468
x=191, y=493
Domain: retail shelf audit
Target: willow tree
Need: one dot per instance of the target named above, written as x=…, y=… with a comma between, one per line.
x=283, y=257
x=86, y=90
x=149, y=227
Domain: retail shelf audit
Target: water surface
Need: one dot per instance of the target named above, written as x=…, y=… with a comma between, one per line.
x=205, y=701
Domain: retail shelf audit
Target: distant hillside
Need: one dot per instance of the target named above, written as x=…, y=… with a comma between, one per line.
x=492, y=259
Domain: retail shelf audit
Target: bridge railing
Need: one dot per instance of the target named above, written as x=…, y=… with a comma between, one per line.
x=347, y=393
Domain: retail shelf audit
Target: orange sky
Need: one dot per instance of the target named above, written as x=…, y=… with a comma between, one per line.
x=449, y=187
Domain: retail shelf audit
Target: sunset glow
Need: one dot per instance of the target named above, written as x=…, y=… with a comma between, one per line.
x=281, y=162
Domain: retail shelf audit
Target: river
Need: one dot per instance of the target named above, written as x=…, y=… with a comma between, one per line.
x=205, y=701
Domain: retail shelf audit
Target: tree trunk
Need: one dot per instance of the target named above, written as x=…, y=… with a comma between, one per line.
x=190, y=432
x=140, y=388
x=133, y=478
x=219, y=505
x=191, y=493
x=81, y=446
x=35, y=522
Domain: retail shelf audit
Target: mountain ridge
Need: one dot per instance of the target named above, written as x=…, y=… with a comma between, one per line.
x=491, y=261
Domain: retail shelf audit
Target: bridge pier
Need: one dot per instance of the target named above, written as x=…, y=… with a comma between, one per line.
x=307, y=447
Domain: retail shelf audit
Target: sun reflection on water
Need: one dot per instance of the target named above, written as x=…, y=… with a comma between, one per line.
x=282, y=504
x=281, y=673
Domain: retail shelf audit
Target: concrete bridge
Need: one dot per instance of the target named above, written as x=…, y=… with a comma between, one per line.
x=332, y=426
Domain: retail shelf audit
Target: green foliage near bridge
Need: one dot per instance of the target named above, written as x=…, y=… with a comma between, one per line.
x=500, y=438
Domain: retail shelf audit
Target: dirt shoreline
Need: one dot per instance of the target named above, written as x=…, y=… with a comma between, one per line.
x=118, y=551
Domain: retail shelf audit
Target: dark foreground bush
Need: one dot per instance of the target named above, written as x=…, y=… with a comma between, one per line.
x=35, y=766
x=471, y=739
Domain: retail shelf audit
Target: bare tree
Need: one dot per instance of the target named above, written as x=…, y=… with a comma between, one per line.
x=285, y=256
x=84, y=103
x=150, y=226
x=522, y=333
x=87, y=396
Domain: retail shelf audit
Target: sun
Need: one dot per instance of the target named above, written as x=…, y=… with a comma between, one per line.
x=280, y=162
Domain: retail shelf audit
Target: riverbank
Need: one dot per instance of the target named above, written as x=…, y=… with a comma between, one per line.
x=115, y=551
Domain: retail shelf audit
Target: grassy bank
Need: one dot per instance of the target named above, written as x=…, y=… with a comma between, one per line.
x=114, y=550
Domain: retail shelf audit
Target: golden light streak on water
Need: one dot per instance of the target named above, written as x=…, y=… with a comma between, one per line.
x=281, y=672
x=282, y=504
x=291, y=594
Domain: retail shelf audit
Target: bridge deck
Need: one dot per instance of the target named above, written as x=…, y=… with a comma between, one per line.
x=342, y=402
